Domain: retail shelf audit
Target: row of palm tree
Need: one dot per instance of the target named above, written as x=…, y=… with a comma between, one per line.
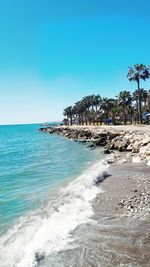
x=139, y=72
x=125, y=107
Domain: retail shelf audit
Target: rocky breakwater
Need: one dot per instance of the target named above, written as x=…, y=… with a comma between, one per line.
x=96, y=137
x=135, y=142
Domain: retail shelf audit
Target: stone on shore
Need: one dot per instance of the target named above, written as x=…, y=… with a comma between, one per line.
x=136, y=142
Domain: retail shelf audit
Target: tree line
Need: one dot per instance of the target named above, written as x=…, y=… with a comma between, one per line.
x=124, y=108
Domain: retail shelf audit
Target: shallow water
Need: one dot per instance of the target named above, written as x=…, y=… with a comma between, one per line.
x=40, y=205
x=31, y=164
x=109, y=241
x=47, y=212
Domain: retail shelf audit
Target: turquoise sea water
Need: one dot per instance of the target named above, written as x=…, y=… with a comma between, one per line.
x=47, y=184
x=47, y=216
x=32, y=164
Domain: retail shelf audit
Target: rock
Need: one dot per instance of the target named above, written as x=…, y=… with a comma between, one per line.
x=107, y=151
x=136, y=146
x=144, y=151
x=101, y=141
x=136, y=159
x=101, y=177
x=39, y=257
x=122, y=161
x=110, y=145
x=129, y=147
x=146, y=140
x=81, y=140
x=110, y=161
x=91, y=145
x=113, y=139
x=148, y=163
x=111, y=136
x=87, y=134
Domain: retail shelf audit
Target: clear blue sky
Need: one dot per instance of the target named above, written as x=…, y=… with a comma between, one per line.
x=54, y=52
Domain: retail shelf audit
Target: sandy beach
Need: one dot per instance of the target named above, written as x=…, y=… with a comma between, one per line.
x=131, y=127
x=122, y=213
x=127, y=190
x=120, y=232
x=119, y=235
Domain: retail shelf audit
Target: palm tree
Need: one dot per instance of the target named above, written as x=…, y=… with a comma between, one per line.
x=144, y=97
x=97, y=103
x=87, y=104
x=92, y=105
x=106, y=106
x=139, y=72
x=68, y=112
x=135, y=98
x=148, y=101
x=115, y=111
x=79, y=109
x=125, y=101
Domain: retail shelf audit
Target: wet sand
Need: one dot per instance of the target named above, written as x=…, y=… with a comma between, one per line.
x=114, y=237
x=123, y=218
x=128, y=181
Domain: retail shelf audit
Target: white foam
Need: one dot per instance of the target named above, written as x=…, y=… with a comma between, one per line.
x=43, y=235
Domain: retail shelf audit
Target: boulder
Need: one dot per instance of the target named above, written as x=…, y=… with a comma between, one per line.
x=144, y=152
x=101, y=141
x=136, y=146
x=146, y=140
x=107, y=151
x=136, y=159
x=110, y=145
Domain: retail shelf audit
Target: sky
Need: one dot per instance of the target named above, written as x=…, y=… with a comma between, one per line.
x=54, y=52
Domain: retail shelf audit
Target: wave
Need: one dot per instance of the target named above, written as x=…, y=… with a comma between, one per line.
x=49, y=229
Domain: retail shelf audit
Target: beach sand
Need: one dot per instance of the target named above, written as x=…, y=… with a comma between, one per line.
x=128, y=181
x=132, y=128
x=114, y=238
x=119, y=233
x=122, y=213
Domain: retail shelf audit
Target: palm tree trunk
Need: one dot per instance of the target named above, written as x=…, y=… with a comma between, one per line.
x=85, y=116
x=131, y=116
x=67, y=120
x=96, y=116
x=70, y=120
x=140, y=103
x=145, y=103
x=93, y=118
x=137, y=104
x=79, y=119
x=82, y=121
x=125, y=117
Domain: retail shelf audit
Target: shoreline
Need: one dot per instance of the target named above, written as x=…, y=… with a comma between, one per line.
x=86, y=225
x=122, y=215
x=120, y=232
x=127, y=191
x=132, y=160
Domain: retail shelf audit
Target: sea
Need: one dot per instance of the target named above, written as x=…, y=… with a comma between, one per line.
x=47, y=184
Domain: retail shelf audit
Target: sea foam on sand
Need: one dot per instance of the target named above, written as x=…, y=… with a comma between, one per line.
x=39, y=235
